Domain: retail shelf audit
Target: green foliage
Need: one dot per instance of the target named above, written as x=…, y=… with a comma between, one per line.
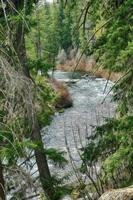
x=44, y=34
x=51, y=31
x=40, y=65
x=26, y=104
x=112, y=145
x=114, y=46
x=59, y=190
x=56, y=156
x=46, y=99
x=51, y=28
x=64, y=23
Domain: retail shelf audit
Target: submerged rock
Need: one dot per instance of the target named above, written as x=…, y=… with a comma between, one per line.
x=118, y=194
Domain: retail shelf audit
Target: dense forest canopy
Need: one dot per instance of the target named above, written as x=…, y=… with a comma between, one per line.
x=37, y=37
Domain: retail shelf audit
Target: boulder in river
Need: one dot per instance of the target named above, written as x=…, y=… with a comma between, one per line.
x=118, y=194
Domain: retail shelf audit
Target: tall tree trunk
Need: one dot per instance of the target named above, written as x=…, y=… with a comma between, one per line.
x=19, y=46
x=2, y=193
x=38, y=36
x=41, y=160
x=40, y=156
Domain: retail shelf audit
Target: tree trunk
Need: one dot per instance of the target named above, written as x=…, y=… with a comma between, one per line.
x=40, y=156
x=19, y=46
x=2, y=193
x=41, y=160
x=38, y=36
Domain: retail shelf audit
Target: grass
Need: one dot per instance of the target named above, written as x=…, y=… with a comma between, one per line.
x=89, y=66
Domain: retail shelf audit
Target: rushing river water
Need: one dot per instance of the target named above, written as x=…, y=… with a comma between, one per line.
x=69, y=130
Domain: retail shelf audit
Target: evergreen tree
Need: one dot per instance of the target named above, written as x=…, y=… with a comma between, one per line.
x=65, y=25
x=111, y=143
x=26, y=104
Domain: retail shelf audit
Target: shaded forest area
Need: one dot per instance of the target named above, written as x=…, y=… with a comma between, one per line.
x=36, y=37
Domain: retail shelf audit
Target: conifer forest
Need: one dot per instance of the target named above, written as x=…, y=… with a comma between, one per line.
x=66, y=99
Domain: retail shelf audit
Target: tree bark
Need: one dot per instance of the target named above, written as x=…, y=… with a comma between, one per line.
x=38, y=36
x=19, y=46
x=2, y=193
x=40, y=156
x=41, y=160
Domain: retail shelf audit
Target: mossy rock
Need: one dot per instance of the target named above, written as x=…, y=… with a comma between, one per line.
x=118, y=194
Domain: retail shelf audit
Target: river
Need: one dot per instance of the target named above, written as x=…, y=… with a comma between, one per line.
x=69, y=130
x=91, y=106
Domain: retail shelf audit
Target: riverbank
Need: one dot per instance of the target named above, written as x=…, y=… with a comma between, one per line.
x=63, y=99
x=88, y=66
